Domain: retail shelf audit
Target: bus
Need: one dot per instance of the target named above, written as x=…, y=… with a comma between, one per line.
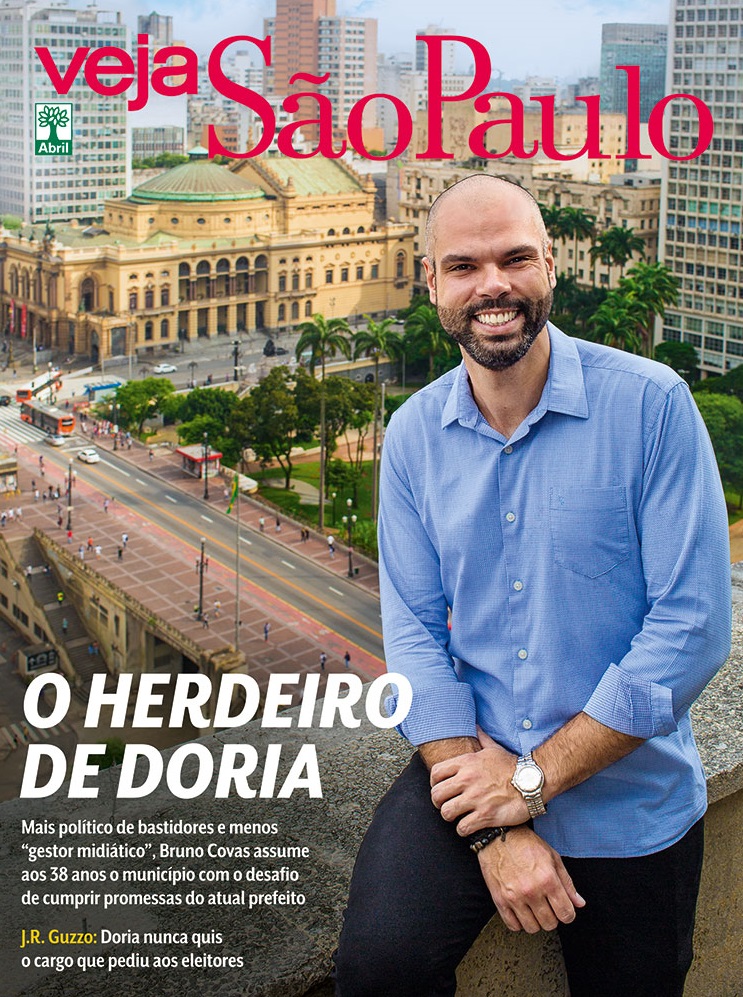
x=47, y=417
x=49, y=380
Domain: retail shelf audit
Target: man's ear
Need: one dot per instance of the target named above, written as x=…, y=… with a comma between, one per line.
x=430, y=279
x=550, y=261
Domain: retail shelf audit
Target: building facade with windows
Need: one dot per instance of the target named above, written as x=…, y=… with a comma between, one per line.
x=55, y=188
x=702, y=200
x=202, y=251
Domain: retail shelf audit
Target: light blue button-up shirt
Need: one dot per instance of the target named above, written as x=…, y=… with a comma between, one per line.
x=586, y=564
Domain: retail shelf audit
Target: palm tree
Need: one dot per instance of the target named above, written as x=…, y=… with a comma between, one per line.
x=652, y=286
x=616, y=246
x=427, y=334
x=577, y=223
x=376, y=339
x=616, y=322
x=324, y=338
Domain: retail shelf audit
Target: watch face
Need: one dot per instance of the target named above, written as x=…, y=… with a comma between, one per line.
x=529, y=778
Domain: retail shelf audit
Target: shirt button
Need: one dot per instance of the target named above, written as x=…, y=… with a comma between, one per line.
x=526, y=724
x=523, y=654
x=508, y=449
x=510, y=517
x=518, y=586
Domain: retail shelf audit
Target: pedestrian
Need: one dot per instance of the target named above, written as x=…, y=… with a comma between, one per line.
x=537, y=746
x=98, y=550
x=197, y=565
x=36, y=495
x=124, y=540
x=65, y=626
x=331, y=547
x=105, y=505
x=278, y=525
x=90, y=543
x=19, y=513
x=81, y=552
x=217, y=608
x=59, y=522
x=266, y=630
x=120, y=552
x=205, y=620
x=323, y=659
x=11, y=514
x=3, y=518
x=150, y=455
x=347, y=659
x=261, y=524
x=206, y=565
x=69, y=536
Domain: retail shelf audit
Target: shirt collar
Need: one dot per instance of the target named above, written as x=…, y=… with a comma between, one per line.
x=564, y=391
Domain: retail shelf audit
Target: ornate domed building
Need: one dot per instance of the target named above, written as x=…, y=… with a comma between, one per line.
x=201, y=250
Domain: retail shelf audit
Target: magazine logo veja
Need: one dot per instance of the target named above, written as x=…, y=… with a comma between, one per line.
x=111, y=71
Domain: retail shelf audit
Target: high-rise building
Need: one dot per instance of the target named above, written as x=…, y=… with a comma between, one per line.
x=49, y=188
x=702, y=200
x=642, y=45
x=158, y=26
x=347, y=50
x=448, y=50
x=294, y=39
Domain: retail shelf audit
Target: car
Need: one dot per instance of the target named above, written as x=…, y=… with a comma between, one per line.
x=89, y=456
x=55, y=440
x=6, y=399
x=164, y=368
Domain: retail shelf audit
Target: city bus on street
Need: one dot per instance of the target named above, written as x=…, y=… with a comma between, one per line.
x=48, y=417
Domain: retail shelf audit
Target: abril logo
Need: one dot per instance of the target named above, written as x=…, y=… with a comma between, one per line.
x=53, y=129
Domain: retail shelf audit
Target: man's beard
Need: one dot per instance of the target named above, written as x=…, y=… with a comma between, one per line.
x=492, y=352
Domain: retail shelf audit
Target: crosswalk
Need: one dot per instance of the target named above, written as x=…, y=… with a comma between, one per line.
x=18, y=735
x=14, y=429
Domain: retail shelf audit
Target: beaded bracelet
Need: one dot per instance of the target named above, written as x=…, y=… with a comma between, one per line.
x=485, y=835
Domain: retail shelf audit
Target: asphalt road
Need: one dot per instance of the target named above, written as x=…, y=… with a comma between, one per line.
x=329, y=599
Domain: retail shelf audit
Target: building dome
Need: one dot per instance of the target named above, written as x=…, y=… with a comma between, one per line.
x=197, y=180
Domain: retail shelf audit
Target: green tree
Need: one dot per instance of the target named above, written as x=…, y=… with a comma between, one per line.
x=723, y=417
x=266, y=420
x=682, y=357
x=376, y=340
x=424, y=332
x=324, y=338
x=616, y=323
x=141, y=400
x=653, y=286
x=616, y=246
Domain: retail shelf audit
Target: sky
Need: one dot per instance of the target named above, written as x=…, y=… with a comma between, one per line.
x=529, y=38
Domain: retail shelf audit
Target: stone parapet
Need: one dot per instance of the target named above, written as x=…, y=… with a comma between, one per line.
x=287, y=949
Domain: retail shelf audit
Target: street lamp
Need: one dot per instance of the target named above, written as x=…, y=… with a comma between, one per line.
x=200, y=612
x=69, y=497
x=192, y=365
x=349, y=522
x=114, y=416
x=334, y=495
x=206, y=467
x=236, y=358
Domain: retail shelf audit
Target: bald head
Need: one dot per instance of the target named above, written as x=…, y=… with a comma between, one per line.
x=467, y=193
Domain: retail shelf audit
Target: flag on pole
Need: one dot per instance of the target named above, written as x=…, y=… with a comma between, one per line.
x=233, y=493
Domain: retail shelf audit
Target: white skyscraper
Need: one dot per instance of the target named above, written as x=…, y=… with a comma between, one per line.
x=702, y=198
x=41, y=188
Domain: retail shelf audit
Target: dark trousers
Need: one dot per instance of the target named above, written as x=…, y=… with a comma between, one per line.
x=418, y=901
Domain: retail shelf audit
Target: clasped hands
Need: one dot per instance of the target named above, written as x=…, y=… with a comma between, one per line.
x=529, y=884
x=475, y=788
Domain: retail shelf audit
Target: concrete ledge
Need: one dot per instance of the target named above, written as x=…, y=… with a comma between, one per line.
x=287, y=950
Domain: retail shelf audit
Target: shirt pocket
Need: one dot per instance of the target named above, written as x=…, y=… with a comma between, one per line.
x=590, y=533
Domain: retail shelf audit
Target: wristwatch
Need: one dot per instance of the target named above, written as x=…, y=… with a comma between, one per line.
x=529, y=779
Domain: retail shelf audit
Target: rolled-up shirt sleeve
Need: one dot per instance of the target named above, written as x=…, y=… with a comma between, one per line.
x=414, y=610
x=683, y=536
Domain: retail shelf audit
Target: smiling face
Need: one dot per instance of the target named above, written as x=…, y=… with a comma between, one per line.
x=490, y=271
